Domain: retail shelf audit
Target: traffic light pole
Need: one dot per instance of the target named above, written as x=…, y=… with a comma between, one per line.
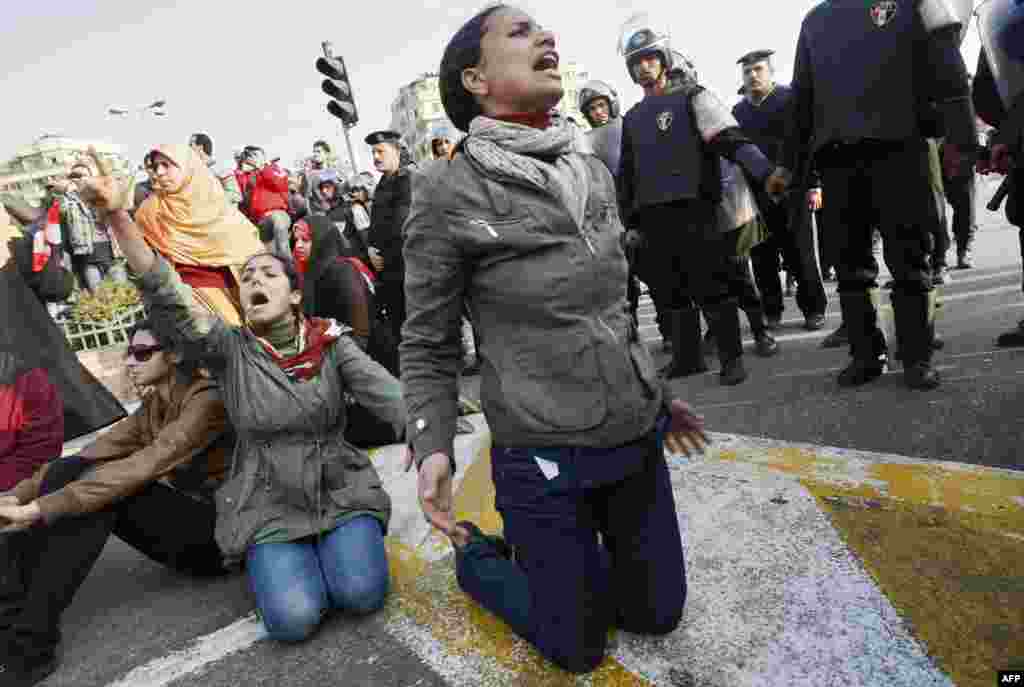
x=351, y=155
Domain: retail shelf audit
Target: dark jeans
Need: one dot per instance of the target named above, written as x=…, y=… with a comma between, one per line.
x=885, y=186
x=791, y=244
x=826, y=257
x=565, y=588
x=961, y=194
x=686, y=256
x=54, y=560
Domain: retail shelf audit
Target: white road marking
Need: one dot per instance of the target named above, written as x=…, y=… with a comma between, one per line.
x=822, y=333
x=204, y=650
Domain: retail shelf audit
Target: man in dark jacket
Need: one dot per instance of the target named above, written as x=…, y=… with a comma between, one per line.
x=762, y=115
x=390, y=208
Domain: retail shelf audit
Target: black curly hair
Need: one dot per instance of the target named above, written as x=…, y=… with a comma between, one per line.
x=463, y=52
x=186, y=368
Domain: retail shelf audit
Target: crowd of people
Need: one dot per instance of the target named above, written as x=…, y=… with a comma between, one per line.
x=294, y=320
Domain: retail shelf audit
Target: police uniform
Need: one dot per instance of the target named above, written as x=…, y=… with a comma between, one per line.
x=791, y=231
x=670, y=187
x=872, y=81
x=391, y=201
x=999, y=98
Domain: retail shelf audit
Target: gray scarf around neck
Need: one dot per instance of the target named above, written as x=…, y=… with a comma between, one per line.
x=507, y=152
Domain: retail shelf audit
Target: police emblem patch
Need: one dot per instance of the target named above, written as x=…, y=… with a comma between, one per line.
x=664, y=120
x=883, y=12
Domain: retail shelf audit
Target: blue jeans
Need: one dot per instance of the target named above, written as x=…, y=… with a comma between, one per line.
x=564, y=588
x=297, y=583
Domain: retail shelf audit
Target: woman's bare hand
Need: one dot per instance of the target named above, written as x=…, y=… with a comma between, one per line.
x=686, y=430
x=104, y=190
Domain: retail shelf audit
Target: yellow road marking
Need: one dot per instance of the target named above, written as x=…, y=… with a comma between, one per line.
x=943, y=544
x=429, y=594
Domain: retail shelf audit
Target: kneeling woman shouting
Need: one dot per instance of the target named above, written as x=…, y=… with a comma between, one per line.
x=303, y=507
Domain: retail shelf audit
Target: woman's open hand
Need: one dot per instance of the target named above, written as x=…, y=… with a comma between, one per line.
x=686, y=430
x=14, y=518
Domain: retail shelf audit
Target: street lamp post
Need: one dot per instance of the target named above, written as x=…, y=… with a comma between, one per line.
x=156, y=108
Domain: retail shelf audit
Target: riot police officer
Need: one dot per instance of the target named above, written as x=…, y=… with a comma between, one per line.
x=742, y=227
x=999, y=97
x=670, y=187
x=872, y=81
x=599, y=103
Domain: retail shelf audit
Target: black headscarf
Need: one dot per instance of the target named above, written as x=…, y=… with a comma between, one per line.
x=32, y=339
x=328, y=246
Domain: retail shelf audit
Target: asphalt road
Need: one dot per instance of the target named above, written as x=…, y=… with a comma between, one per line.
x=974, y=417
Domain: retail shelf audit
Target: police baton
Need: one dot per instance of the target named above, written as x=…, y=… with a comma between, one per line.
x=1000, y=194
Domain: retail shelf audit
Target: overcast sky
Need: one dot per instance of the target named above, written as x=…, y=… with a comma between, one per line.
x=244, y=72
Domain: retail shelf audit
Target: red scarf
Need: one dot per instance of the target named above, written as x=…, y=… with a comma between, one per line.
x=537, y=120
x=206, y=277
x=363, y=269
x=40, y=248
x=301, y=230
x=316, y=335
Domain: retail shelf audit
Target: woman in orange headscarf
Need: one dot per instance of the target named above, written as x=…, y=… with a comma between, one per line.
x=188, y=220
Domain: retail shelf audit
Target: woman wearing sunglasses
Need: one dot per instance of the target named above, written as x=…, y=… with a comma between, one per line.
x=167, y=457
x=522, y=225
x=302, y=506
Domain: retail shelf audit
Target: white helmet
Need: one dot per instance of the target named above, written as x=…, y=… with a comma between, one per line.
x=591, y=91
x=640, y=36
x=684, y=65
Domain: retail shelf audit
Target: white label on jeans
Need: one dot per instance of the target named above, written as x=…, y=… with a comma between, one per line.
x=548, y=467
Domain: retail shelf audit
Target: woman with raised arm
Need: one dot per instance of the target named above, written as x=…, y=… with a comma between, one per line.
x=302, y=506
x=523, y=226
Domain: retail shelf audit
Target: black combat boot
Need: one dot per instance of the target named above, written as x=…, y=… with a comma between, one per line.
x=764, y=343
x=687, y=356
x=963, y=254
x=837, y=339
x=867, y=343
x=915, y=334
x=725, y=323
x=1012, y=338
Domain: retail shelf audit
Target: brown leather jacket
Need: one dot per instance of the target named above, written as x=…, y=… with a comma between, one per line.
x=184, y=443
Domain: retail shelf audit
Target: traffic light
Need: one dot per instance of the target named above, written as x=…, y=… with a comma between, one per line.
x=337, y=86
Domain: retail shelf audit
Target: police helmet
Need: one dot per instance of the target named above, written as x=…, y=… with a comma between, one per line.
x=683, y=65
x=591, y=91
x=639, y=36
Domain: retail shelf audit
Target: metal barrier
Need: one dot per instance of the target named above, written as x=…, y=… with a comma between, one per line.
x=93, y=336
